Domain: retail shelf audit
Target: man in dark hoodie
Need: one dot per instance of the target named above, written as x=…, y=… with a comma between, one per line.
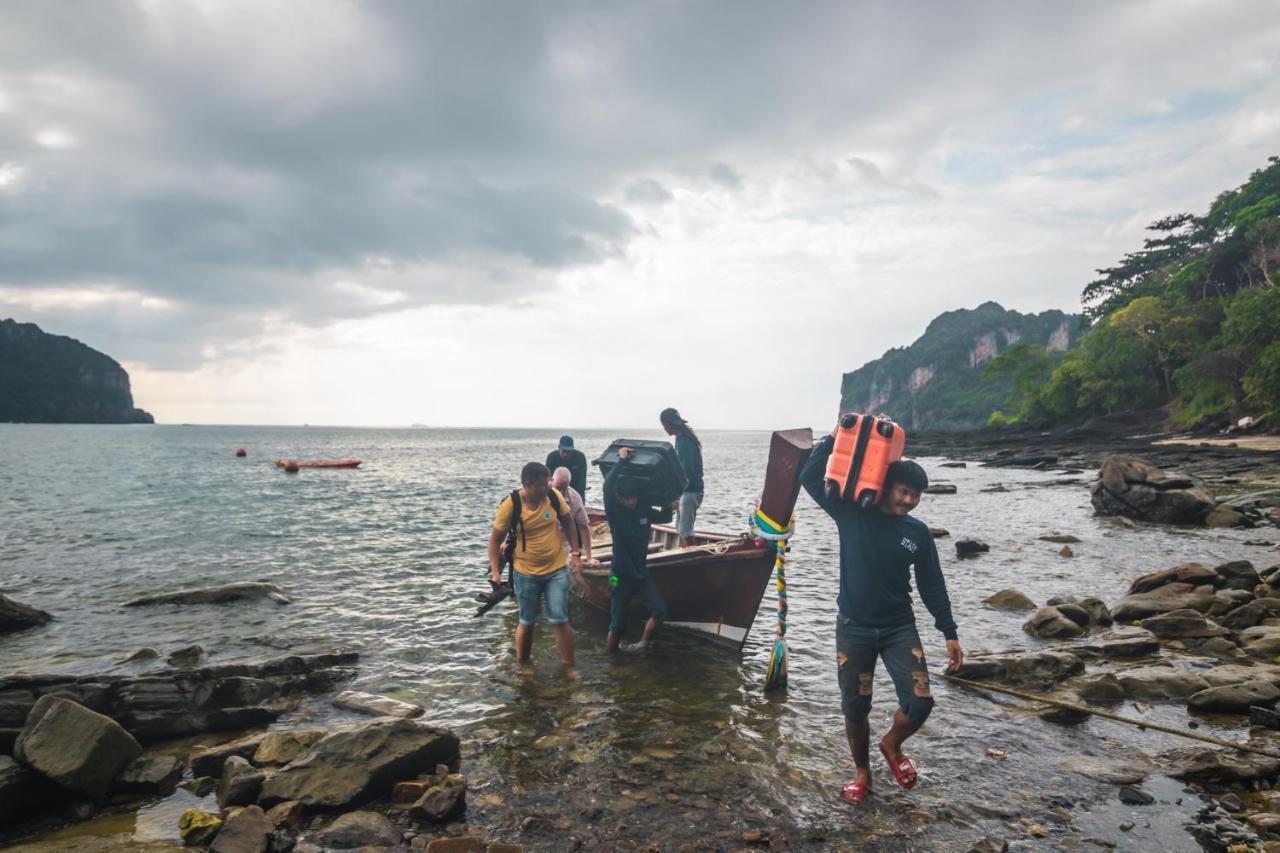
x=878, y=547
x=629, y=575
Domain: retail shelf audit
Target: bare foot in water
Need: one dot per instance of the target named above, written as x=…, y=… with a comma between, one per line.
x=524, y=668
x=572, y=674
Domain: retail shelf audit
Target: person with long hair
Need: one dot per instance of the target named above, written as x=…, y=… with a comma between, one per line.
x=689, y=452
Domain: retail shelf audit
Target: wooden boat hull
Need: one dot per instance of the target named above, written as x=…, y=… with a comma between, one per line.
x=320, y=463
x=713, y=588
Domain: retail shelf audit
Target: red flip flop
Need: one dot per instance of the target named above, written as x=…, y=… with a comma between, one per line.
x=855, y=792
x=903, y=770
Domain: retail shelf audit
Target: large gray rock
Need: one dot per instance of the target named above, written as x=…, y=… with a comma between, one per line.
x=1121, y=643
x=1049, y=623
x=16, y=616
x=1238, y=574
x=444, y=801
x=209, y=760
x=351, y=767
x=1009, y=599
x=1112, y=771
x=75, y=747
x=1160, y=682
x=1171, y=596
x=283, y=747
x=1261, y=642
x=360, y=829
x=246, y=831
x=214, y=595
x=1251, y=614
x=1182, y=624
x=1223, y=515
x=1038, y=667
x=1103, y=689
x=177, y=703
x=240, y=783
x=1226, y=600
x=1235, y=698
x=1206, y=765
x=1130, y=487
x=376, y=706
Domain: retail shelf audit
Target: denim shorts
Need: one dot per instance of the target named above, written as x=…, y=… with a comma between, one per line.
x=531, y=589
x=689, y=503
x=858, y=647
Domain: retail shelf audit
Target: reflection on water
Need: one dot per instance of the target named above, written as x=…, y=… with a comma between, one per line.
x=680, y=745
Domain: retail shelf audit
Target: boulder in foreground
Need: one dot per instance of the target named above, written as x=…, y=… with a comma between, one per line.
x=75, y=747
x=16, y=616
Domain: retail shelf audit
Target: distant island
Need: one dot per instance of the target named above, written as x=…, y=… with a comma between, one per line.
x=939, y=382
x=49, y=379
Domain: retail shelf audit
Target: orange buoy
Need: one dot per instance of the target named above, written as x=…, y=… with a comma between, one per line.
x=241, y=452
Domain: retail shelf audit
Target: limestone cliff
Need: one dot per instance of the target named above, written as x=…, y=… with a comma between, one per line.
x=55, y=379
x=937, y=382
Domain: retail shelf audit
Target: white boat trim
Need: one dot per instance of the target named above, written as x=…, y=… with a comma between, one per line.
x=718, y=629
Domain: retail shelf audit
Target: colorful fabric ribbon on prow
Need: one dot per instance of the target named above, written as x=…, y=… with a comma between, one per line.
x=764, y=527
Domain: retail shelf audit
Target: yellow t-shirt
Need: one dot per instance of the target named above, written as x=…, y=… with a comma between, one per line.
x=538, y=548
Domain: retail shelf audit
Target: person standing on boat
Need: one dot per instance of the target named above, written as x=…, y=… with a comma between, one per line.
x=878, y=547
x=629, y=575
x=689, y=452
x=538, y=559
x=566, y=456
x=560, y=481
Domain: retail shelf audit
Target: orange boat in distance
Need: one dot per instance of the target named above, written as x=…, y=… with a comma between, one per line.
x=317, y=463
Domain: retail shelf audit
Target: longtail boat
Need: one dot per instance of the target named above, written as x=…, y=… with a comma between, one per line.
x=712, y=588
x=318, y=463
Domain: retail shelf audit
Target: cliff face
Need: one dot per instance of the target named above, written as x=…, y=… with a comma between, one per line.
x=937, y=382
x=55, y=379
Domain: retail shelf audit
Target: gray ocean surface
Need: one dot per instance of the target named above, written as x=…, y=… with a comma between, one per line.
x=676, y=746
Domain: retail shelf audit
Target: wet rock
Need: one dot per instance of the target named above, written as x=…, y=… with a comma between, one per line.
x=22, y=791
x=1234, y=699
x=1206, y=765
x=16, y=616
x=284, y=841
x=1160, y=682
x=240, y=783
x=971, y=547
x=282, y=747
x=352, y=767
x=201, y=786
x=1195, y=574
x=1265, y=717
x=1122, y=643
x=1226, y=516
x=989, y=844
x=1072, y=611
x=1231, y=803
x=1171, y=596
x=464, y=844
x=1229, y=674
x=1085, y=612
x=198, y=828
x=940, y=489
x=1265, y=822
x=186, y=656
x=1112, y=771
x=1066, y=551
x=357, y=829
x=1009, y=599
x=377, y=706
x=1049, y=623
x=149, y=775
x=1238, y=574
x=445, y=798
x=939, y=532
x=1261, y=641
x=1059, y=538
x=1182, y=624
x=1131, y=796
x=1251, y=614
x=1130, y=487
x=953, y=464
x=286, y=815
x=75, y=747
x=214, y=595
x=1226, y=600
x=1038, y=667
x=144, y=653
x=176, y=703
x=1102, y=689
x=246, y=831
x=208, y=761
x=1221, y=648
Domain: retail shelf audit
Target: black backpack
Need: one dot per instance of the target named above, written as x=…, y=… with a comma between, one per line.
x=517, y=523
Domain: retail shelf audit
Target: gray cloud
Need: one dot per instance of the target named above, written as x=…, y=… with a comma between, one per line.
x=242, y=160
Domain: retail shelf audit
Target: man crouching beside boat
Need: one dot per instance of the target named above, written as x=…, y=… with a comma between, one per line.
x=878, y=545
x=629, y=570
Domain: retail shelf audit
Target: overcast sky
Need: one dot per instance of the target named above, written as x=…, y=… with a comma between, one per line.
x=559, y=214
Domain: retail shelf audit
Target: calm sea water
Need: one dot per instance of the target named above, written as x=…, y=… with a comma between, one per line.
x=678, y=746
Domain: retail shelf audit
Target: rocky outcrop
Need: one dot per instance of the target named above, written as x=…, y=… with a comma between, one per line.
x=247, y=591
x=177, y=703
x=55, y=379
x=78, y=749
x=352, y=767
x=16, y=616
x=1171, y=596
x=1130, y=487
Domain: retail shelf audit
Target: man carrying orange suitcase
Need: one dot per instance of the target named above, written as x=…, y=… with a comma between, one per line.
x=879, y=545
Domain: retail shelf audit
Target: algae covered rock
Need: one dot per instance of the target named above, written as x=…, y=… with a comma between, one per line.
x=198, y=828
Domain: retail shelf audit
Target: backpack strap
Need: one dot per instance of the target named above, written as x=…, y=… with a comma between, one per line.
x=555, y=501
x=517, y=524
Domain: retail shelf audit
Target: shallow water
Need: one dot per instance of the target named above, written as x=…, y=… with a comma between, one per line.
x=678, y=746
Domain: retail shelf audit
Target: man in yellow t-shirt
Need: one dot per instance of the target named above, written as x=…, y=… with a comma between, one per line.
x=539, y=562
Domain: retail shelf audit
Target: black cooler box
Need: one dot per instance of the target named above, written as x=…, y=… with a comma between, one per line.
x=656, y=470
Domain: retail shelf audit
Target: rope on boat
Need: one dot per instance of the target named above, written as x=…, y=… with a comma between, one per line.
x=764, y=527
x=1107, y=715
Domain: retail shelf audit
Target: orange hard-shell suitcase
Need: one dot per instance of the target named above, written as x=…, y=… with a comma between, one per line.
x=865, y=447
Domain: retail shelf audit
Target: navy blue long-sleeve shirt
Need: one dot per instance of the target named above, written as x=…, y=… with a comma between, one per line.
x=628, y=528
x=877, y=551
